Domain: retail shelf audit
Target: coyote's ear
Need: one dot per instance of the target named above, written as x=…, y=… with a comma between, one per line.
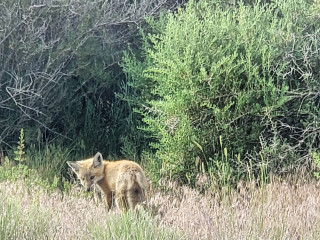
x=97, y=160
x=75, y=166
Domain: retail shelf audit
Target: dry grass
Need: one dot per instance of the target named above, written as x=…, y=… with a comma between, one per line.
x=277, y=211
x=33, y=213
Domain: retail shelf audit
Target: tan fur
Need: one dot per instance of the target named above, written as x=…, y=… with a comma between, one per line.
x=124, y=179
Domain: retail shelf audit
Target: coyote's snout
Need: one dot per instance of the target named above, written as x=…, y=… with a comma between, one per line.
x=124, y=179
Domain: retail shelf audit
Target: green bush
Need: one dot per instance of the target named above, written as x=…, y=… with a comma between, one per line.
x=247, y=73
x=59, y=71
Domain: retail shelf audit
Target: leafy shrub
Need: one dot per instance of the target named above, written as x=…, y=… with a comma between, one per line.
x=247, y=73
x=316, y=158
x=59, y=71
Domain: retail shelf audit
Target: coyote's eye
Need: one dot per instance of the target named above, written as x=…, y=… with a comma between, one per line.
x=92, y=177
x=83, y=179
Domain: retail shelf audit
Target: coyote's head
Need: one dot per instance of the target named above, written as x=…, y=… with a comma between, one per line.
x=89, y=171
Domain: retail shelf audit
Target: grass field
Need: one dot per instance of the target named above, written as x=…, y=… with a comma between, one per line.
x=276, y=211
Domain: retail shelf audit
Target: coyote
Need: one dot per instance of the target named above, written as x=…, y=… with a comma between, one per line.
x=123, y=179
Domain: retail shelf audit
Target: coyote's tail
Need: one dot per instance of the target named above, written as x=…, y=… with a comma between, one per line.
x=142, y=180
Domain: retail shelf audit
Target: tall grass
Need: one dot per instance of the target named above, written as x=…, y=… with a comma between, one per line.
x=278, y=210
x=35, y=213
x=50, y=162
x=21, y=220
x=131, y=225
x=33, y=208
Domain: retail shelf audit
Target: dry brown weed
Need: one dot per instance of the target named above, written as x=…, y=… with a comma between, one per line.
x=276, y=211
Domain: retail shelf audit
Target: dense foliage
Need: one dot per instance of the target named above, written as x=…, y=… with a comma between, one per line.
x=225, y=88
x=59, y=70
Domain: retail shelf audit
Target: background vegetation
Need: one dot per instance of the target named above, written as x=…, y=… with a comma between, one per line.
x=228, y=89
x=219, y=90
x=221, y=95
